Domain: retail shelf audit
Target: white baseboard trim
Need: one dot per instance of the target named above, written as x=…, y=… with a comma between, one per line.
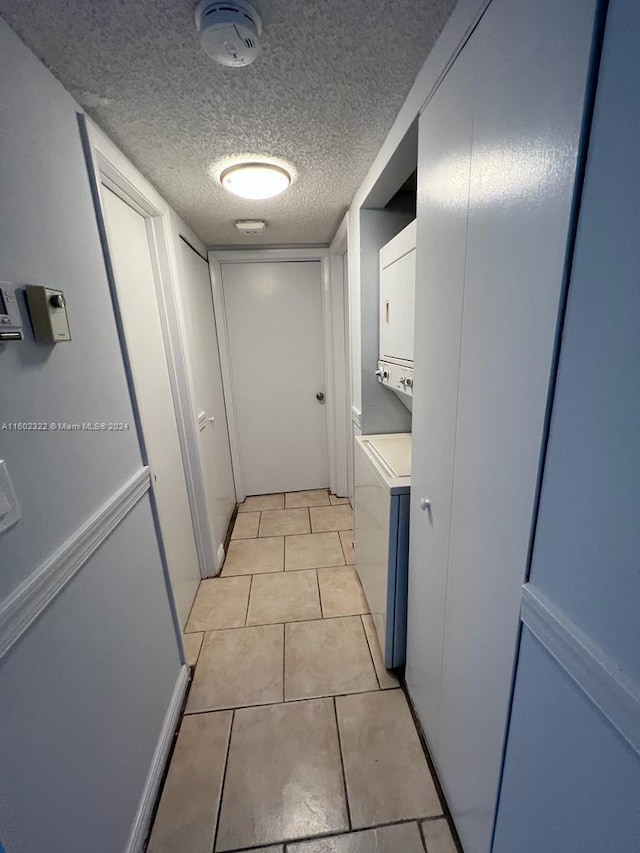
x=615, y=694
x=32, y=597
x=142, y=820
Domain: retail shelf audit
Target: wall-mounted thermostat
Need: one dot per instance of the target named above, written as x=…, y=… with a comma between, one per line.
x=10, y=320
x=48, y=311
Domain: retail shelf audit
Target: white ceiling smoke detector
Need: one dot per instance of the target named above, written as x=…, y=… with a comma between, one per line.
x=229, y=31
x=251, y=226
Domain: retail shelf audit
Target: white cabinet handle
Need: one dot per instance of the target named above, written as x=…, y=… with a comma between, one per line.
x=425, y=504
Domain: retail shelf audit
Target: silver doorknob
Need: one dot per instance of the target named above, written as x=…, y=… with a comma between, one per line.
x=425, y=504
x=320, y=397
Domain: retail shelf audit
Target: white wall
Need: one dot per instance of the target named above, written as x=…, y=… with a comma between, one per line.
x=84, y=691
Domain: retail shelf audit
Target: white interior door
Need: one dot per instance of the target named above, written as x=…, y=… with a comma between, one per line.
x=276, y=342
x=444, y=165
x=201, y=345
x=136, y=289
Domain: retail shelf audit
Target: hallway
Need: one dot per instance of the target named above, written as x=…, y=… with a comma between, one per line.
x=293, y=729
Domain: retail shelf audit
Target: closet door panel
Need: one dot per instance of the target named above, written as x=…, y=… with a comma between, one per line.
x=444, y=162
x=533, y=62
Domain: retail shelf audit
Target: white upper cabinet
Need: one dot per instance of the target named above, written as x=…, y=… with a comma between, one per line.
x=397, y=296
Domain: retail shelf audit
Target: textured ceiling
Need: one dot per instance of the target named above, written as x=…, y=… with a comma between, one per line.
x=323, y=94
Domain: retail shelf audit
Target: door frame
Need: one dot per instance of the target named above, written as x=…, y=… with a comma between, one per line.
x=333, y=349
x=342, y=320
x=111, y=168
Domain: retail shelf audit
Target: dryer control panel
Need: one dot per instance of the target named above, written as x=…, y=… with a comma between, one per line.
x=396, y=377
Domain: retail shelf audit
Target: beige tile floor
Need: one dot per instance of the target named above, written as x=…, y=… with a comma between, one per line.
x=295, y=738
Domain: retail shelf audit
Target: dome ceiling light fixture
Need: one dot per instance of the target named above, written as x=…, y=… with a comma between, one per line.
x=255, y=180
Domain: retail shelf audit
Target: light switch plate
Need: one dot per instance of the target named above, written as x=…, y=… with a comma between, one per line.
x=9, y=508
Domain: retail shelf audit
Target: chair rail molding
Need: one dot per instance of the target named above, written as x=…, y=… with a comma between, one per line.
x=33, y=596
x=615, y=694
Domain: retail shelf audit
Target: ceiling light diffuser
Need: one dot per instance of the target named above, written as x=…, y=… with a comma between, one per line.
x=255, y=180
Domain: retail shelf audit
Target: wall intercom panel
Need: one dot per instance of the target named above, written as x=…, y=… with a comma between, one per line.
x=10, y=319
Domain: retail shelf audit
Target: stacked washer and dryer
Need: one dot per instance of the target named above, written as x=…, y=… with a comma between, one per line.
x=383, y=462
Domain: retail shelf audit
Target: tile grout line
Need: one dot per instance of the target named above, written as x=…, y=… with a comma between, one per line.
x=246, y=612
x=284, y=662
x=422, y=838
x=224, y=781
x=280, y=571
x=195, y=663
x=314, y=533
x=373, y=692
x=287, y=622
x=373, y=663
x=319, y=596
x=344, y=553
x=184, y=630
x=344, y=775
x=329, y=835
